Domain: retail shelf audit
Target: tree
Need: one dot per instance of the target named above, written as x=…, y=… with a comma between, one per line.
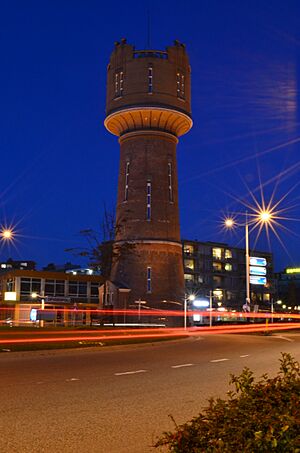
x=102, y=252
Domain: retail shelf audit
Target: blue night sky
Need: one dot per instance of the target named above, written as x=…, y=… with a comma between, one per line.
x=59, y=165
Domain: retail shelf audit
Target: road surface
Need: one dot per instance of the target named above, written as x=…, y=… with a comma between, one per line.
x=118, y=399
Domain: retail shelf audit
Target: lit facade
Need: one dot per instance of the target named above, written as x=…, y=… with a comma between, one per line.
x=220, y=268
x=58, y=289
x=288, y=290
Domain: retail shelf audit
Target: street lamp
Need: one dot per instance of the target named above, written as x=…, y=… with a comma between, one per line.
x=139, y=302
x=262, y=217
x=186, y=299
x=6, y=234
x=42, y=297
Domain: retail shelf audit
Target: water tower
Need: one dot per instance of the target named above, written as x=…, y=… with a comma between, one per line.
x=148, y=108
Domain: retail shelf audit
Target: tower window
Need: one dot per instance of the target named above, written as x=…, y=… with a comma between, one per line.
x=119, y=83
x=148, y=200
x=150, y=79
x=148, y=279
x=126, y=181
x=170, y=181
x=180, y=85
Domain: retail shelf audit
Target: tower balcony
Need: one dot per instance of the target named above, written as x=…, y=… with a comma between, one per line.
x=147, y=118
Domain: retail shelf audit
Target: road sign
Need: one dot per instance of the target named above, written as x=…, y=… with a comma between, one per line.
x=257, y=270
x=257, y=280
x=257, y=261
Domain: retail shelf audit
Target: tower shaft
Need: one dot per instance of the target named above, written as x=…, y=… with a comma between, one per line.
x=148, y=107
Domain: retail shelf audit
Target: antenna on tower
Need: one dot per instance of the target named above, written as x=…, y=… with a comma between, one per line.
x=148, y=30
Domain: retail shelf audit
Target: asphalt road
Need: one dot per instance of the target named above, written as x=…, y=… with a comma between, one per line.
x=118, y=400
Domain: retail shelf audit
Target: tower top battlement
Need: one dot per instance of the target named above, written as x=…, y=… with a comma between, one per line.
x=148, y=89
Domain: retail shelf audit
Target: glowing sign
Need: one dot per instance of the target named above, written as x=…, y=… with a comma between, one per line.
x=256, y=270
x=256, y=280
x=10, y=295
x=292, y=270
x=33, y=314
x=201, y=303
x=257, y=261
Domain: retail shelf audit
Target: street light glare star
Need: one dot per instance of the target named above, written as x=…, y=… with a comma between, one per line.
x=265, y=216
x=229, y=223
x=7, y=234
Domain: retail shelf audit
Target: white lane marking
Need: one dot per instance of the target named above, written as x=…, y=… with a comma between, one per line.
x=219, y=360
x=180, y=366
x=72, y=379
x=245, y=355
x=131, y=372
x=283, y=338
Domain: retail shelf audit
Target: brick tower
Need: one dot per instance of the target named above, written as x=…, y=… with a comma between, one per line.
x=148, y=108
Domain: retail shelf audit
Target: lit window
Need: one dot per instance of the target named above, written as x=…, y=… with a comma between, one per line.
x=119, y=83
x=188, y=249
x=189, y=264
x=228, y=267
x=188, y=277
x=149, y=279
x=150, y=79
x=180, y=84
x=217, y=267
x=148, y=200
x=228, y=254
x=126, y=181
x=217, y=253
x=170, y=181
x=218, y=294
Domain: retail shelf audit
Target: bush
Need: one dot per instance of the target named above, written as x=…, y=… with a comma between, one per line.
x=262, y=416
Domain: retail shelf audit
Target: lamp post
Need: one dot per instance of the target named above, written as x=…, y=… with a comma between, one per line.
x=210, y=308
x=42, y=297
x=186, y=299
x=140, y=302
x=263, y=216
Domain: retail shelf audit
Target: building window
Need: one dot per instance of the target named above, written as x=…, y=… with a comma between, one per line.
x=150, y=79
x=188, y=249
x=180, y=84
x=228, y=267
x=228, y=254
x=59, y=288
x=217, y=253
x=30, y=285
x=189, y=264
x=119, y=83
x=49, y=287
x=229, y=295
x=94, y=289
x=148, y=279
x=148, y=200
x=218, y=294
x=188, y=277
x=126, y=181
x=217, y=267
x=200, y=279
x=10, y=285
x=170, y=181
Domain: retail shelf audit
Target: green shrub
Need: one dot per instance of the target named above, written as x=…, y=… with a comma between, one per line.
x=262, y=416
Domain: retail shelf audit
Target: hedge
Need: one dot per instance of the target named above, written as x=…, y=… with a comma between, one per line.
x=262, y=416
